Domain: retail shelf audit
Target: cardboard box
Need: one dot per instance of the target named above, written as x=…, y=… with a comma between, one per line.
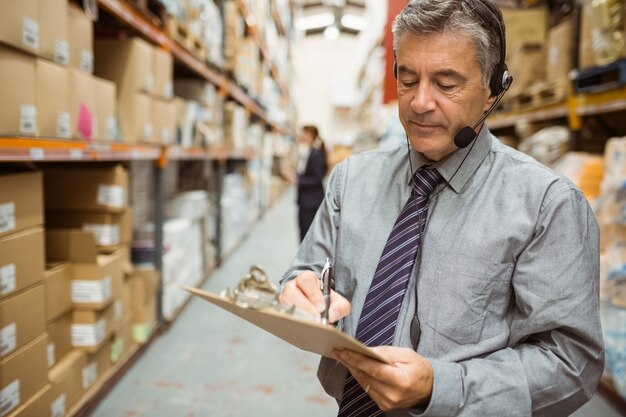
x=37, y=405
x=17, y=83
x=58, y=287
x=59, y=338
x=143, y=287
x=135, y=111
x=80, y=34
x=24, y=373
x=91, y=329
x=109, y=229
x=20, y=325
x=94, y=189
x=98, y=363
x=96, y=279
x=586, y=56
x=19, y=24
x=106, y=102
x=560, y=53
x=195, y=90
x=122, y=340
x=21, y=201
x=525, y=26
x=121, y=307
x=163, y=73
x=126, y=62
x=527, y=66
x=53, y=100
x=82, y=102
x=66, y=378
x=53, y=27
x=22, y=259
x=164, y=122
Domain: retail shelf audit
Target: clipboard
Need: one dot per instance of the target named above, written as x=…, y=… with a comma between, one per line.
x=306, y=334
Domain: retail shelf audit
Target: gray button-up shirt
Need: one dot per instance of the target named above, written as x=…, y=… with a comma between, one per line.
x=504, y=294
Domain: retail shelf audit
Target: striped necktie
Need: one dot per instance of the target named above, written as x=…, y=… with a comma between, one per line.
x=382, y=305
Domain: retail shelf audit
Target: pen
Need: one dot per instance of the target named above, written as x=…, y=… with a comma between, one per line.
x=327, y=274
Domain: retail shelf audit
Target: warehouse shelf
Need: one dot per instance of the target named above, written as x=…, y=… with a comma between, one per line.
x=258, y=36
x=552, y=111
x=609, y=392
x=277, y=19
x=42, y=150
x=605, y=102
x=128, y=15
x=178, y=153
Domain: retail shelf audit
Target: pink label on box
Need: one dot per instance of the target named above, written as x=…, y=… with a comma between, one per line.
x=85, y=121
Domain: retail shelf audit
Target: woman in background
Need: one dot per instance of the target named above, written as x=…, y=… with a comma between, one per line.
x=311, y=169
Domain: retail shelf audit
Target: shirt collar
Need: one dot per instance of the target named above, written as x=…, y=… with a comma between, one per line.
x=448, y=166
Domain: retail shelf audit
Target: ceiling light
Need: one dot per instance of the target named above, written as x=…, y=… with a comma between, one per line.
x=354, y=22
x=315, y=21
x=331, y=33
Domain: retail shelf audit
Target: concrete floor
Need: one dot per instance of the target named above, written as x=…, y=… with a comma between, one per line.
x=210, y=363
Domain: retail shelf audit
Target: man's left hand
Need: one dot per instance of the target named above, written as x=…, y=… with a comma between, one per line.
x=405, y=384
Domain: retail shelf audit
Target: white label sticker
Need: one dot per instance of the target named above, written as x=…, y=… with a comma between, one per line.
x=8, y=339
x=104, y=234
x=149, y=83
x=7, y=279
x=148, y=130
x=86, y=60
x=88, y=335
x=111, y=128
x=76, y=154
x=63, y=125
x=168, y=90
x=37, y=154
x=28, y=119
x=165, y=136
x=118, y=310
x=90, y=373
x=61, y=52
x=9, y=397
x=112, y=195
x=84, y=291
x=52, y=357
x=30, y=33
x=7, y=217
x=57, y=407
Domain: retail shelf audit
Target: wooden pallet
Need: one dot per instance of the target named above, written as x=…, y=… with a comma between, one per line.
x=153, y=10
x=537, y=96
x=181, y=34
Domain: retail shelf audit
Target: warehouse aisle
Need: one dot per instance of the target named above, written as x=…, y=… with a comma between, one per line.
x=211, y=364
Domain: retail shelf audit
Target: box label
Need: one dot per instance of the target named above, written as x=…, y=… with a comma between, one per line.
x=118, y=310
x=88, y=335
x=86, y=61
x=7, y=217
x=112, y=196
x=76, y=154
x=168, y=90
x=90, y=373
x=84, y=291
x=28, y=118
x=111, y=128
x=7, y=279
x=61, y=52
x=117, y=350
x=37, y=154
x=63, y=125
x=52, y=358
x=57, y=407
x=104, y=234
x=148, y=129
x=9, y=397
x=8, y=339
x=30, y=33
x=165, y=135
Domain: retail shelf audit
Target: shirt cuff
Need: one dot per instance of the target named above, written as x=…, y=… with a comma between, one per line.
x=446, y=398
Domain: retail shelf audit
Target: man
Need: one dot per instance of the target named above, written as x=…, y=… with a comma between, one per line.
x=492, y=308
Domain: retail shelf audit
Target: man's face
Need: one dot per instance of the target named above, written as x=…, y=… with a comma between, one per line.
x=440, y=90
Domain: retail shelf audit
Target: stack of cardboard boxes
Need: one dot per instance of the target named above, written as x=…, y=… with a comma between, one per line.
x=23, y=340
x=199, y=113
x=45, y=73
x=143, y=76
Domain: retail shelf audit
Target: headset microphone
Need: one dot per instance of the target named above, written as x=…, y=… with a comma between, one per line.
x=468, y=133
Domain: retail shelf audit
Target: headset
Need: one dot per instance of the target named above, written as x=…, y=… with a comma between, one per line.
x=501, y=78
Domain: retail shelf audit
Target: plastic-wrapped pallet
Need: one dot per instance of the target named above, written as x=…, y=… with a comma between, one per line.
x=234, y=212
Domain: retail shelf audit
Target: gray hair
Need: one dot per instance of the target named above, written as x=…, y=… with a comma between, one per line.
x=479, y=22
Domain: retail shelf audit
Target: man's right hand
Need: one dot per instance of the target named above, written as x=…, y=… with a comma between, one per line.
x=305, y=294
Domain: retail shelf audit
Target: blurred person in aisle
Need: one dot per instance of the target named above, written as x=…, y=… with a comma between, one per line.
x=469, y=266
x=311, y=170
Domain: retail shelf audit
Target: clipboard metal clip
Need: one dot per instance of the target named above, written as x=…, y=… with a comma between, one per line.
x=255, y=291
